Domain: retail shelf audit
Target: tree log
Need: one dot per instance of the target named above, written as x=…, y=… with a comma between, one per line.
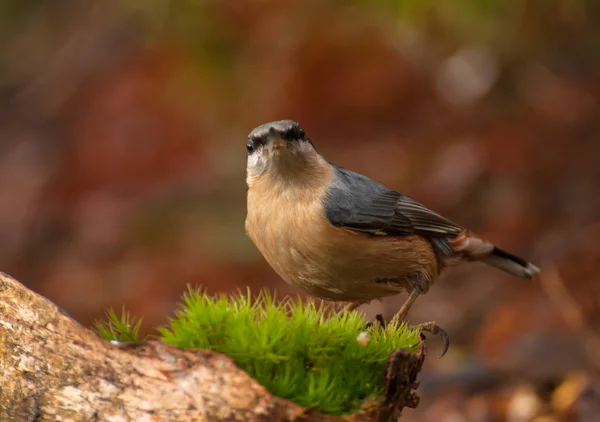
x=52, y=368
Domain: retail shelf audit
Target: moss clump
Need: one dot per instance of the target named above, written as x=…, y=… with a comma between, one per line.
x=294, y=349
x=123, y=329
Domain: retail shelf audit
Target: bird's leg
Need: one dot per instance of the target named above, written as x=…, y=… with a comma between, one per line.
x=401, y=314
x=350, y=307
x=430, y=326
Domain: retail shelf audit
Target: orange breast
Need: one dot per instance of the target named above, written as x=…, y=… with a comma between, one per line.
x=290, y=229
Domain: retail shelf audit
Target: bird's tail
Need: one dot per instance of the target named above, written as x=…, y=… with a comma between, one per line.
x=477, y=249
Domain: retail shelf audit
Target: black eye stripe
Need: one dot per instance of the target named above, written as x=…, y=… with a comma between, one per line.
x=289, y=134
x=293, y=133
x=256, y=141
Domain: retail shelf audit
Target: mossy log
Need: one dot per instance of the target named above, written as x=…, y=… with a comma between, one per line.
x=53, y=368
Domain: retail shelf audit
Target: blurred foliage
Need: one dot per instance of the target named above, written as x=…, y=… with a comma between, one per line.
x=521, y=29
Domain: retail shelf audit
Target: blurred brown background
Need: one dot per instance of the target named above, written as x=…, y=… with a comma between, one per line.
x=122, y=160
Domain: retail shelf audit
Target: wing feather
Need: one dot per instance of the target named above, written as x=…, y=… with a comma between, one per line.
x=356, y=202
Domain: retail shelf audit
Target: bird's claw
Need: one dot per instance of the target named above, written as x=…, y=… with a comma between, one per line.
x=433, y=328
x=430, y=326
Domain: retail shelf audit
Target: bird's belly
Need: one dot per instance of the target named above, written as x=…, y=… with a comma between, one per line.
x=296, y=255
x=333, y=263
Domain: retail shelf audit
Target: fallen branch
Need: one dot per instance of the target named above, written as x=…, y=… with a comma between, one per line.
x=53, y=368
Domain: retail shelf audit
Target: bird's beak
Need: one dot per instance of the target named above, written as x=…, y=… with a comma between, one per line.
x=277, y=144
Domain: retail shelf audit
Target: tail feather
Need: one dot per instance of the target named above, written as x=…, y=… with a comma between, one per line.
x=510, y=263
x=480, y=250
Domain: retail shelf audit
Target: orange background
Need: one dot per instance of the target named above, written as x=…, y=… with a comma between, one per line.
x=122, y=158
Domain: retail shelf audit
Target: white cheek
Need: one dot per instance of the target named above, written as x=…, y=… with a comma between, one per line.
x=252, y=161
x=254, y=166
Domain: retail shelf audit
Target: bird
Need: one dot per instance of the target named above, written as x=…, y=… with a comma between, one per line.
x=341, y=236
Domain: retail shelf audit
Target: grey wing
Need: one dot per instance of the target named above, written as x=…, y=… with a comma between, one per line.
x=358, y=203
x=425, y=221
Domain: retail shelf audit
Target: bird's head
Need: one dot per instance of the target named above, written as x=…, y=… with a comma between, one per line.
x=281, y=149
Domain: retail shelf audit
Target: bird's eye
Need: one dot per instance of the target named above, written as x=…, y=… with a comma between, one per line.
x=250, y=148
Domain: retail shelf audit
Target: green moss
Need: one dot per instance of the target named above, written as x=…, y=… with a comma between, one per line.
x=292, y=348
x=124, y=329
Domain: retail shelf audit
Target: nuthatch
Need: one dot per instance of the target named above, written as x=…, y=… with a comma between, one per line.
x=341, y=236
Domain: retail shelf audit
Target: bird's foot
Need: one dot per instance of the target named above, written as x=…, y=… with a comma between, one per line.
x=433, y=328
